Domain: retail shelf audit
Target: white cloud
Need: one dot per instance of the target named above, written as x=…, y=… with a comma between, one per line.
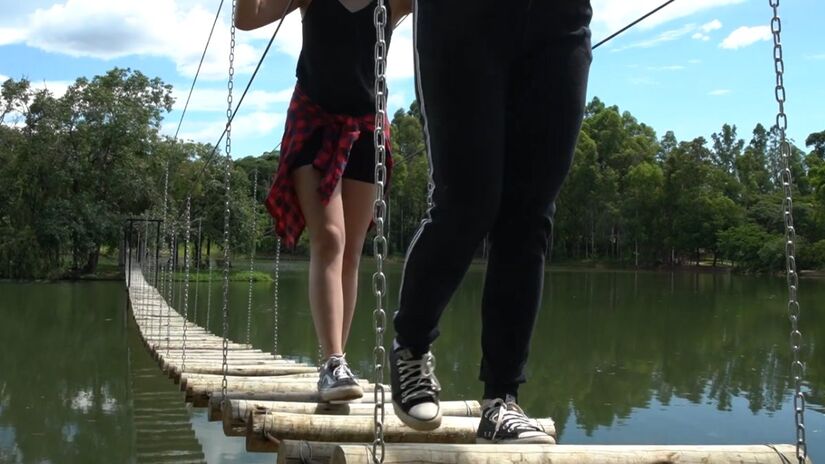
x=694, y=61
x=400, y=62
x=256, y=124
x=745, y=36
x=214, y=99
x=11, y=35
x=57, y=88
x=666, y=36
x=706, y=29
x=815, y=56
x=711, y=26
x=611, y=15
x=673, y=67
x=719, y=92
x=174, y=29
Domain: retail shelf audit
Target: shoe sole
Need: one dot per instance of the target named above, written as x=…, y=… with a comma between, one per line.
x=417, y=424
x=545, y=440
x=350, y=392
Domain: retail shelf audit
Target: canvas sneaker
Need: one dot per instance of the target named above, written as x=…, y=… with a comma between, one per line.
x=503, y=421
x=336, y=381
x=415, y=388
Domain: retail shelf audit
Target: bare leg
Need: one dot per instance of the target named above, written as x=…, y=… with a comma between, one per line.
x=327, y=237
x=358, y=198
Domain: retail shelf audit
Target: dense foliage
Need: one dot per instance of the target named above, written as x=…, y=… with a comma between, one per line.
x=74, y=167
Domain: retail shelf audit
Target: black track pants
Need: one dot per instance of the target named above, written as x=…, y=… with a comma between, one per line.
x=502, y=88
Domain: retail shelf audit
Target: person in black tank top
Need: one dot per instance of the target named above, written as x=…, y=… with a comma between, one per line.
x=325, y=178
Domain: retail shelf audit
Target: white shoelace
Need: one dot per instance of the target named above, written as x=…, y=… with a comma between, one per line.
x=417, y=378
x=342, y=370
x=510, y=417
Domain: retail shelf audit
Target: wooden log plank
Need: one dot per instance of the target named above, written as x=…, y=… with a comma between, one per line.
x=195, y=385
x=305, y=396
x=246, y=371
x=235, y=415
x=304, y=452
x=239, y=409
x=570, y=454
x=197, y=392
x=357, y=429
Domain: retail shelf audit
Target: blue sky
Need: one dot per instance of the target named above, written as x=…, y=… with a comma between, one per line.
x=691, y=68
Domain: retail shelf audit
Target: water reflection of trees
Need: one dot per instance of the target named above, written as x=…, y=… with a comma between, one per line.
x=63, y=372
x=611, y=343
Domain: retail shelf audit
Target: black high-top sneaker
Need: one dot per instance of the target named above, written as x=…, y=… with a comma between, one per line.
x=503, y=421
x=336, y=382
x=415, y=388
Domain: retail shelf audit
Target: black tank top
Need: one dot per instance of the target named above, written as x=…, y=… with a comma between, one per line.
x=336, y=68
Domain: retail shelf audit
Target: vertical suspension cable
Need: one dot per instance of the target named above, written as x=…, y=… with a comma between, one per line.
x=169, y=302
x=165, y=231
x=186, y=260
x=794, y=310
x=198, y=270
x=227, y=195
x=208, y=292
x=252, y=245
x=379, y=283
x=277, y=280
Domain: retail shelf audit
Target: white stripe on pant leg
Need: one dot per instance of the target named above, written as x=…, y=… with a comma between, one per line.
x=430, y=182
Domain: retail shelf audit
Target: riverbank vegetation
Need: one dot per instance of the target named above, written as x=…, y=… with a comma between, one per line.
x=75, y=166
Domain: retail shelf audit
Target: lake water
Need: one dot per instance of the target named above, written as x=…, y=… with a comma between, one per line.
x=617, y=357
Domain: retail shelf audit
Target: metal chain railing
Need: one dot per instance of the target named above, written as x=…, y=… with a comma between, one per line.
x=277, y=284
x=208, y=291
x=226, y=212
x=170, y=284
x=794, y=312
x=186, y=261
x=197, y=270
x=252, y=245
x=379, y=281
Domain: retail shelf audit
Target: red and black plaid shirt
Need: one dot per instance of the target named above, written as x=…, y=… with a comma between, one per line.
x=339, y=133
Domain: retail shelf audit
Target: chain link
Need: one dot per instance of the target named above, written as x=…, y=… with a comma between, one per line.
x=253, y=236
x=164, y=233
x=186, y=261
x=277, y=283
x=797, y=367
x=198, y=271
x=171, y=284
x=208, y=292
x=380, y=241
x=227, y=196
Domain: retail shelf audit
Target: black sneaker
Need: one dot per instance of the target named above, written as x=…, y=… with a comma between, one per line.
x=415, y=389
x=336, y=382
x=503, y=421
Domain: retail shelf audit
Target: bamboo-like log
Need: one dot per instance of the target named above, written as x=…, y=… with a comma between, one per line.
x=201, y=381
x=358, y=429
x=216, y=354
x=305, y=452
x=570, y=454
x=236, y=413
x=239, y=409
x=216, y=413
x=197, y=345
x=199, y=394
x=196, y=363
x=247, y=371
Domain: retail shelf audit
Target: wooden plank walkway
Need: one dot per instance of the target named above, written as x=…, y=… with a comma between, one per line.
x=273, y=403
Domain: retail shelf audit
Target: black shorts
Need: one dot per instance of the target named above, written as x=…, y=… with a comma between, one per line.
x=361, y=161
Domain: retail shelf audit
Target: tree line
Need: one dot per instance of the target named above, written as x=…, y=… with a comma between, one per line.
x=73, y=168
